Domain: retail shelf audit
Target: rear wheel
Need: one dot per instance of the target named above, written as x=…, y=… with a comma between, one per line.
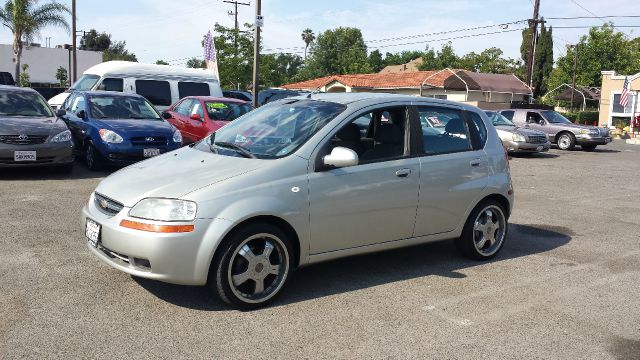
x=93, y=158
x=588, y=147
x=252, y=266
x=484, y=232
x=566, y=141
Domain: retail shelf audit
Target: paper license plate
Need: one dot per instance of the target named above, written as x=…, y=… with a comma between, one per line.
x=539, y=148
x=24, y=156
x=151, y=152
x=92, y=232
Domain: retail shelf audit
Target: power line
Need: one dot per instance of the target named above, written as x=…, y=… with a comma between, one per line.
x=593, y=17
x=596, y=15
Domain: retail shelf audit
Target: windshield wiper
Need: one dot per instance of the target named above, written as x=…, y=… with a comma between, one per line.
x=239, y=149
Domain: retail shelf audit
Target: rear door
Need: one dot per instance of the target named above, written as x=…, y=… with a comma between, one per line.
x=453, y=168
x=196, y=127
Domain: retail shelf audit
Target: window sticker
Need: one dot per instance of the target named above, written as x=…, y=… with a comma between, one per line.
x=216, y=106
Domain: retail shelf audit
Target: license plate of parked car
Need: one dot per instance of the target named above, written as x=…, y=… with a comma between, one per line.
x=92, y=232
x=151, y=152
x=24, y=156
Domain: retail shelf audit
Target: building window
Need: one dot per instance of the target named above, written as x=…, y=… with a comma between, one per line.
x=617, y=108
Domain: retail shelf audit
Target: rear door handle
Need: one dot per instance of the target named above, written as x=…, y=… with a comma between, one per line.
x=475, y=162
x=403, y=172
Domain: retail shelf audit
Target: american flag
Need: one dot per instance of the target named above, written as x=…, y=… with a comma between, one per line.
x=624, y=97
x=210, y=54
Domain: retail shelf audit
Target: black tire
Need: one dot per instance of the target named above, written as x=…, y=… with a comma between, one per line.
x=93, y=159
x=566, y=141
x=588, y=147
x=468, y=242
x=229, y=260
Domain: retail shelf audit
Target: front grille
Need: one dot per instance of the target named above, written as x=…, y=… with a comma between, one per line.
x=536, y=139
x=106, y=205
x=39, y=160
x=149, y=140
x=23, y=139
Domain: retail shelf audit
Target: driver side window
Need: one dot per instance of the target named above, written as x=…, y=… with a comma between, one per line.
x=534, y=118
x=197, y=109
x=77, y=104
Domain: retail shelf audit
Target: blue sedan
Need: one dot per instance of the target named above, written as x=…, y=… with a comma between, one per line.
x=119, y=129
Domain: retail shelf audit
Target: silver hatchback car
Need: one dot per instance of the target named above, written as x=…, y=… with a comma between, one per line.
x=304, y=180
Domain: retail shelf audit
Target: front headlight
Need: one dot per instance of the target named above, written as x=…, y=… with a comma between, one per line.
x=519, y=138
x=62, y=137
x=164, y=210
x=177, y=137
x=109, y=136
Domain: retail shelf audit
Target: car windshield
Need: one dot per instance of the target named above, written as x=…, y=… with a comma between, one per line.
x=17, y=103
x=273, y=130
x=498, y=119
x=555, y=117
x=227, y=111
x=86, y=82
x=121, y=107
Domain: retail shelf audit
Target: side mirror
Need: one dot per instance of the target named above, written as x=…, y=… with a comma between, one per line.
x=82, y=115
x=341, y=157
x=166, y=115
x=196, y=117
x=61, y=112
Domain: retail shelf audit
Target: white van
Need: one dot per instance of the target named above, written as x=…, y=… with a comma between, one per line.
x=162, y=85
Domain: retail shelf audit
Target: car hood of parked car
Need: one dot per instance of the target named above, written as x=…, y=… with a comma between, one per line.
x=173, y=175
x=16, y=125
x=518, y=130
x=136, y=127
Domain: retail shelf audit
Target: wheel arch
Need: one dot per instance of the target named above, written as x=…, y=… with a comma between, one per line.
x=502, y=200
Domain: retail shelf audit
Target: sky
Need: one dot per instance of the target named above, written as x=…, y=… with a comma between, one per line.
x=171, y=30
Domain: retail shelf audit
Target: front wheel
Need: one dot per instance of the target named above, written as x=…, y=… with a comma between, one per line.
x=252, y=266
x=484, y=232
x=93, y=158
x=566, y=141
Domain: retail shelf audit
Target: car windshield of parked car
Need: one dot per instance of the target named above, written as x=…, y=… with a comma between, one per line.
x=121, y=107
x=14, y=103
x=86, y=82
x=226, y=111
x=274, y=130
x=498, y=119
x=555, y=117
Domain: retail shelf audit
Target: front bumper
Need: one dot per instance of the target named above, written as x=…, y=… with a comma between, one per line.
x=514, y=147
x=47, y=154
x=127, y=154
x=593, y=140
x=179, y=258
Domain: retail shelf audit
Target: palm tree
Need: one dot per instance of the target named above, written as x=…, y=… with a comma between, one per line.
x=307, y=37
x=26, y=19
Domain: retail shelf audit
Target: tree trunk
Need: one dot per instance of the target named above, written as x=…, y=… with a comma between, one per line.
x=17, y=54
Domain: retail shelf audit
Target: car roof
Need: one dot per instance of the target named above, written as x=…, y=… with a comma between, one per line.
x=128, y=68
x=16, y=88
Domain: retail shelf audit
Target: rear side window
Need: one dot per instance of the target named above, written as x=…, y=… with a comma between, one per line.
x=508, y=114
x=444, y=130
x=193, y=89
x=111, y=84
x=157, y=92
x=477, y=131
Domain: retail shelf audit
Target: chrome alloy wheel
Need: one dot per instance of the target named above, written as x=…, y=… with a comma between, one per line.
x=564, y=142
x=489, y=230
x=258, y=268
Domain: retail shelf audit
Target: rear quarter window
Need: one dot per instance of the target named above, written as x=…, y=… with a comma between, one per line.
x=157, y=92
x=193, y=89
x=477, y=131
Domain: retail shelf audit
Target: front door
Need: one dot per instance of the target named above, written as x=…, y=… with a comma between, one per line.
x=372, y=202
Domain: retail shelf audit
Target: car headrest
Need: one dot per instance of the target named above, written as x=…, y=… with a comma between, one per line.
x=388, y=134
x=455, y=126
x=350, y=132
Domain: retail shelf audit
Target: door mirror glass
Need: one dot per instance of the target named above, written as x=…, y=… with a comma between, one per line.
x=61, y=112
x=196, y=117
x=82, y=114
x=341, y=157
x=166, y=115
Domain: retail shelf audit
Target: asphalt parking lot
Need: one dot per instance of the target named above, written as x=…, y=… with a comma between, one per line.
x=566, y=285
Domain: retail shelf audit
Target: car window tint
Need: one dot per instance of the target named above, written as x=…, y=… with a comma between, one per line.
x=77, y=105
x=157, y=92
x=534, y=117
x=67, y=103
x=193, y=89
x=508, y=114
x=226, y=111
x=111, y=84
x=443, y=130
x=389, y=140
x=184, y=107
x=477, y=130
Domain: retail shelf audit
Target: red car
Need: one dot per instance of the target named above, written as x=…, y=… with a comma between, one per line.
x=198, y=116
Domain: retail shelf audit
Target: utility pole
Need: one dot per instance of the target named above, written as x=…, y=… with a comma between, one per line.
x=235, y=13
x=256, y=52
x=533, y=26
x=74, y=41
x=575, y=67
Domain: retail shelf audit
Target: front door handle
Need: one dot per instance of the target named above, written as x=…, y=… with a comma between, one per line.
x=475, y=162
x=403, y=172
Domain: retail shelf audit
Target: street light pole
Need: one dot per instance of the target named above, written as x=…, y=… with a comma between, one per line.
x=73, y=41
x=575, y=66
x=256, y=53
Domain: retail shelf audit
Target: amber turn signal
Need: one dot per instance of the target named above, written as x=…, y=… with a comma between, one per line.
x=156, y=228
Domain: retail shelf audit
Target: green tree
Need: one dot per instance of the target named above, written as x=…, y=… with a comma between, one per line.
x=95, y=41
x=62, y=76
x=24, y=79
x=401, y=57
x=376, y=62
x=307, y=37
x=25, y=19
x=279, y=69
x=543, y=63
x=196, y=63
x=446, y=57
x=118, y=51
x=235, y=64
x=161, y=62
x=489, y=61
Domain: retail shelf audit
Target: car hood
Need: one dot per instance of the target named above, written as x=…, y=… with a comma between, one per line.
x=57, y=100
x=128, y=128
x=17, y=125
x=173, y=175
x=519, y=130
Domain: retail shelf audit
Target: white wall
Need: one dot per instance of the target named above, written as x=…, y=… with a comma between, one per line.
x=43, y=62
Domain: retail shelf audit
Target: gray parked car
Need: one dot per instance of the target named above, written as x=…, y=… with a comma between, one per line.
x=518, y=139
x=30, y=133
x=561, y=130
x=299, y=181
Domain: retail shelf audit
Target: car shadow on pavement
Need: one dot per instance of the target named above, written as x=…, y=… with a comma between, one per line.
x=540, y=155
x=364, y=271
x=49, y=173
